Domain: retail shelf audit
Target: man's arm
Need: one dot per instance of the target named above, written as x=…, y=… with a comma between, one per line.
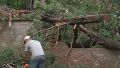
x=26, y=57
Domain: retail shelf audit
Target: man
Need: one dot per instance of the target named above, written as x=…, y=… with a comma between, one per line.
x=37, y=54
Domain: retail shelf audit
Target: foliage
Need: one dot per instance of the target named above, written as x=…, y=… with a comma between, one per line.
x=66, y=8
x=65, y=33
x=83, y=66
x=52, y=5
x=17, y=4
x=79, y=7
x=110, y=29
x=6, y=55
x=60, y=8
x=37, y=4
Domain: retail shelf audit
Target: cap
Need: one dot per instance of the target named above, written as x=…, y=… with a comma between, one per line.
x=27, y=37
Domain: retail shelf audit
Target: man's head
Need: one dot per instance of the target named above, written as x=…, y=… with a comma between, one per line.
x=26, y=39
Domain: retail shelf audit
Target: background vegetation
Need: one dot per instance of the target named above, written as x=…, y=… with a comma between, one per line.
x=68, y=9
x=16, y=4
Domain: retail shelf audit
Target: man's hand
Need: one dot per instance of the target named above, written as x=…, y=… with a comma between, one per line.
x=26, y=66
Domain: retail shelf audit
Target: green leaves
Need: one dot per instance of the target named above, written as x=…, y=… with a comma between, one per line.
x=66, y=32
x=53, y=5
x=6, y=55
x=17, y=4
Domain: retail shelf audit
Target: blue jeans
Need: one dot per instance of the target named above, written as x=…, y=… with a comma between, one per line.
x=38, y=62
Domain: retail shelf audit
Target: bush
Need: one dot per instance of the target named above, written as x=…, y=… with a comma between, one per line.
x=6, y=55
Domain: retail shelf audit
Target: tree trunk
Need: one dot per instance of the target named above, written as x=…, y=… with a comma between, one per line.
x=76, y=20
x=30, y=4
x=75, y=33
x=106, y=42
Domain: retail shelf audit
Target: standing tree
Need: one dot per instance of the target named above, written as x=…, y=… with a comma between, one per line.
x=29, y=5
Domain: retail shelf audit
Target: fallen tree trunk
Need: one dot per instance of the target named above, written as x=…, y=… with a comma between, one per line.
x=78, y=20
x=106, y=42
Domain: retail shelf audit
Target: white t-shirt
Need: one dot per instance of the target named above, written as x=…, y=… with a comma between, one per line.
x=34, y=47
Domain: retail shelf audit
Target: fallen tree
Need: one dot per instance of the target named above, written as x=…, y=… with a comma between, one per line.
x=77, y=20
x=72, y=21
x=106, y=42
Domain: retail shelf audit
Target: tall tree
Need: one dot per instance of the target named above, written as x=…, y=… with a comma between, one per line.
x=30, y=4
